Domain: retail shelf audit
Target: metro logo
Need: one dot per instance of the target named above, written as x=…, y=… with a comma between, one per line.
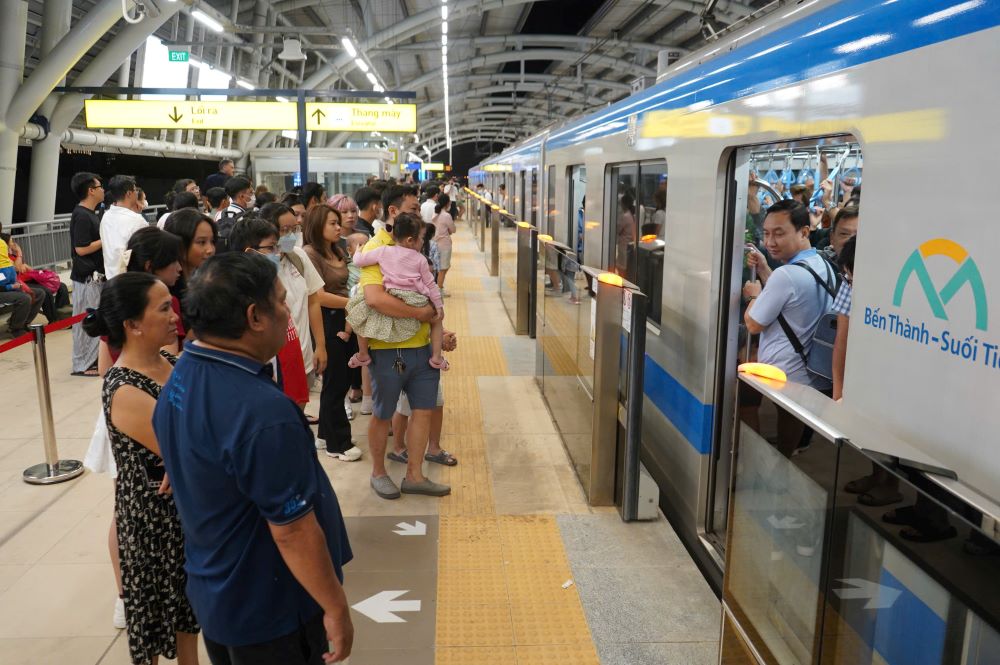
x=966, y=273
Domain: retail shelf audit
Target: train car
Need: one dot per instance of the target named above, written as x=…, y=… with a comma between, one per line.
x=669, y=180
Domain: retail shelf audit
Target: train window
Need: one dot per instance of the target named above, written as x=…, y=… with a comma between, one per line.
x=574, y=222
x=550, y=201
x=637, y=212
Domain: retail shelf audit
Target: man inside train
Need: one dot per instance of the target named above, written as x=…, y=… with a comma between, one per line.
x=786, y=304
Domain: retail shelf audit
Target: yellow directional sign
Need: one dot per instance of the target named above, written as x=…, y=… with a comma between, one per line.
x=339, y=117
x=361, y=117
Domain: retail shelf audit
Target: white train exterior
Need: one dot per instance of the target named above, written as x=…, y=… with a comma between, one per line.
x=909, y=82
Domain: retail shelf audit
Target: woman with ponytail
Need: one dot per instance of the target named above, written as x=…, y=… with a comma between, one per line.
x=444, y=227
x=136, y=316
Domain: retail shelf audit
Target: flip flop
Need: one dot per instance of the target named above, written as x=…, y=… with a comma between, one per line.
x=860, y=485
x=403, y=457
x=92, y=372
x=443, y=458
x=876, y=499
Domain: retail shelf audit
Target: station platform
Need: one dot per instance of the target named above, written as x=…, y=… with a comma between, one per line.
x=512, y=567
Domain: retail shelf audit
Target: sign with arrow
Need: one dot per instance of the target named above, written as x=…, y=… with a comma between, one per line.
x=879, y=596
x=330, y=117
x=418, y=528
x=382, y=607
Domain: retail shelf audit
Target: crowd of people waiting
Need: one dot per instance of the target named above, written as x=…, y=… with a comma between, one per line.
x=210, y=329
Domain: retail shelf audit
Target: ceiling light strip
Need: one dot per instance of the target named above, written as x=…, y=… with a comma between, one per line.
x=444, y=74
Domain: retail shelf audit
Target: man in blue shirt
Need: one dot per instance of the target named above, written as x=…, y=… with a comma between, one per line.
x=265, y=540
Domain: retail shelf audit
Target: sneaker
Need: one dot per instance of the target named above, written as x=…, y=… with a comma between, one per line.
x=348, y=409
x=427, y=487
x=385, y=488
x=352, y=454
x=366, y=405
x=118, y=621
x=320, y=444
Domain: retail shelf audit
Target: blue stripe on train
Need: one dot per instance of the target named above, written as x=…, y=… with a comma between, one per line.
x=687, y=413
x=846, y=34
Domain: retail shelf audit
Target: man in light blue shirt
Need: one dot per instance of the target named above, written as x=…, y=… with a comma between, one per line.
x=789, y=292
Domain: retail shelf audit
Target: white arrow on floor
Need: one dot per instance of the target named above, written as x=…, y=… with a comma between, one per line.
x=380, y=607
x=418, y=528
x=787, y=522
x=879, y=597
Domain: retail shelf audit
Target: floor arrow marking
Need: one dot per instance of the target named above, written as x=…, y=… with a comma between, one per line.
x=879, y=597
x=380, y=608
x=418, y=528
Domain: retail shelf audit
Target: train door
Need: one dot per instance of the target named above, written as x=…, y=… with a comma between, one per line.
x=534, y=198
x=821, y=173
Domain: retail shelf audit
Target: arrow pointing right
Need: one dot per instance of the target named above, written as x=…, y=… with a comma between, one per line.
x=176, y=117
x=380, y=607
x=418, y=528
x=879, y=597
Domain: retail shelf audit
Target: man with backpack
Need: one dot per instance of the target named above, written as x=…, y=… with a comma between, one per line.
x=787, y=304
x=240, y=192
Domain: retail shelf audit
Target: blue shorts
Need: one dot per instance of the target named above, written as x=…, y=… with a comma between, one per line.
x=418, y=379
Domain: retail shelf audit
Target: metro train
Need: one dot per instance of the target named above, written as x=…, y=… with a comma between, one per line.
x=888, y=90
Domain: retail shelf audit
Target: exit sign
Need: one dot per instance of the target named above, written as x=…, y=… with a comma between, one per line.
x=178, y=56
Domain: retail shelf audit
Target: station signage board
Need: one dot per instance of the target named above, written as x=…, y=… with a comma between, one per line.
x=331, y=117
x=177, y=55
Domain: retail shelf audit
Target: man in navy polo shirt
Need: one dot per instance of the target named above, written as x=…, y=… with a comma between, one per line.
x=265, y=540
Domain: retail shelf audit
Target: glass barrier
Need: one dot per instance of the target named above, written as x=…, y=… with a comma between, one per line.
x=507, y=275
x=836, y=557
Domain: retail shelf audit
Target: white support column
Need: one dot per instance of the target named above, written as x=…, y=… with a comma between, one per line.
x=13, y=29
x=45, y=153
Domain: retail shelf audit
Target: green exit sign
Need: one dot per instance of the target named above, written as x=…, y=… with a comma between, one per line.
x=178, y=56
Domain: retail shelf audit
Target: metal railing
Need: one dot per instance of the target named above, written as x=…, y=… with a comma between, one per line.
x=47, y=244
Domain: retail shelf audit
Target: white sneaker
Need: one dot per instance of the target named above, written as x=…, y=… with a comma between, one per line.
x=366, y=406
x=348, y=409
x=352, y=454
x=118, y=621
x=320, y=444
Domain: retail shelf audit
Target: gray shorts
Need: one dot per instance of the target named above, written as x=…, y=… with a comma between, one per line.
x=403, y=405
x=418, y=379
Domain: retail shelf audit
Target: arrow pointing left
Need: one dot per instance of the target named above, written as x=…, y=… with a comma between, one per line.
x=176, y=117
x=879, y=596
x=380, y=608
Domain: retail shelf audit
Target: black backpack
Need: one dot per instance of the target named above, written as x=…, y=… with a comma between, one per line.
x=819, y=360
x=224, y=228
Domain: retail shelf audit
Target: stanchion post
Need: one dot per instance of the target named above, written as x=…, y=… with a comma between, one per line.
x=52, y=470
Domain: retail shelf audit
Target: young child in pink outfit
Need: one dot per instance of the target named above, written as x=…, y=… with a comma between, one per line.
x=404, y=268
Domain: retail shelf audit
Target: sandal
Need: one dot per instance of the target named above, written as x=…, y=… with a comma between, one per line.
x=402, y=458
x=92, y=371
x=861, y=485
x=444, y=458
x=876, y=498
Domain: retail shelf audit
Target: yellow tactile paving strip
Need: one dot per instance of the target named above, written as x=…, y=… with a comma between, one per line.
x=500, y=595
x=563, y=364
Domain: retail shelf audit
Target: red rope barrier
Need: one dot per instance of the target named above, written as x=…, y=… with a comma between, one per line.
x=52, y=327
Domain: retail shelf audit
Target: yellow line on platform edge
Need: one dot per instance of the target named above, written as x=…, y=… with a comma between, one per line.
x=500, y=595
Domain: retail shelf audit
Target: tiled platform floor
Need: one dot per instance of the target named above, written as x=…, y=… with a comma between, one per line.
x=514, y=530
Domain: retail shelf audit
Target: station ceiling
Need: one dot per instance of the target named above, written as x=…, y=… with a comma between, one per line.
x=515, y=66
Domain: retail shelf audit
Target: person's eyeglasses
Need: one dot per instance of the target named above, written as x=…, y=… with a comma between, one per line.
x=291, y=229
x=97, y=186
x=264, y=249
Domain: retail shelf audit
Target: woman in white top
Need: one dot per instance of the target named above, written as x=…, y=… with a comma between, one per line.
x=444, y=227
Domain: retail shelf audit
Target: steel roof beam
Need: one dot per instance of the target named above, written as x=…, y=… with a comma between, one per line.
x=582, y=44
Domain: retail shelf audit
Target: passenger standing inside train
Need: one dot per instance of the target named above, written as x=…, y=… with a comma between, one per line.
x=444, y=227
x=790, y=300
x=87, y=272
x=399, y=367
x=119, y=222
x=135, y=315
x=322, y=236
x=265, y=537
x=369, y=209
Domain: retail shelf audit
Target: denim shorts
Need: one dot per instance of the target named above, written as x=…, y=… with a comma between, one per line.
x=418, y=379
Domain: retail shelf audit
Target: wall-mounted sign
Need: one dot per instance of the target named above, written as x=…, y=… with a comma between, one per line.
x=331, y=117
x=177, y=55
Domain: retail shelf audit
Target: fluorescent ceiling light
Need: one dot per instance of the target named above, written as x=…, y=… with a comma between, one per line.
x=362, y=65
x=944, y=14
x=349, y=47
x=444, y=12
x=282, y=99
x=247, y=86
x=863, y=43
x=444, y=40
x=371, y=77
x=388, y=101
x=207, y=20
x=444, y=28
x=378, y=88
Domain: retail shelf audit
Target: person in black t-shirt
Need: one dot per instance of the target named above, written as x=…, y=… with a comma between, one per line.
x=88, y=266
